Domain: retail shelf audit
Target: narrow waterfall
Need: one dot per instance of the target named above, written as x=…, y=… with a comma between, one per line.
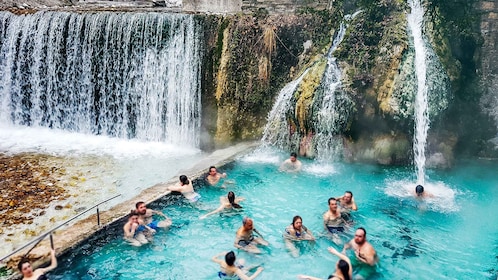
x=415, y=23
x=331, y=117
x=276, y=132
x=126, y=75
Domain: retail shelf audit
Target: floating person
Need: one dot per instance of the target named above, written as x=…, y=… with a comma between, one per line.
x=343, y=268
x=366, y=257
x=213, y=177
x=185, y=187
x=145, y=217
x=291, y=164
x=38, y=274
x=333, y=221
x=347, y=204
x=226, y=202
x=230, y=269
x=421, y=193
x=296, y=232
x=245, y=238
x=133, y=233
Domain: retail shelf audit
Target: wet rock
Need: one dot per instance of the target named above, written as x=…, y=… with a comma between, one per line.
x=58, y=207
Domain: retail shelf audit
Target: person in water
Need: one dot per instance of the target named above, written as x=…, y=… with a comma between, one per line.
x=38, y=274
x=145, y=217
x=343, y=268
x=291, y=164
x=230, y=269
x=296, y=232
x=333, y=220
x=213, y=177
x=365, y=256
x=226, y=202
x=133, y=233
x=347, y=204
x=185, y=187
x=245, y=238
x=421, y=193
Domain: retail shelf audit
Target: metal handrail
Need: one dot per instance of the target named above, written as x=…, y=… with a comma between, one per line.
x=41, y=236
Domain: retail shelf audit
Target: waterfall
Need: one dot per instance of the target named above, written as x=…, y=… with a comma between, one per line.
x=331, y=116
x=415, y=23
x=126, y=75
x=276, y=132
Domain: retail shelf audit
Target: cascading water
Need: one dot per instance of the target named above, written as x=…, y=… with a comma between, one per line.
x=332, y=113
x=276, y=132
x=415, y=23
x=133, y=75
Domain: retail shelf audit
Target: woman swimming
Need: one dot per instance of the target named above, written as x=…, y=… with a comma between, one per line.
x=229, y=269
x=228, y=202
x=343, y=268
x=296, y=232
x=186, y=188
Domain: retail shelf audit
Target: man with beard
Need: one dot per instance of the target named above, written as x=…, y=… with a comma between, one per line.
x=366, y=257
x=145, y=217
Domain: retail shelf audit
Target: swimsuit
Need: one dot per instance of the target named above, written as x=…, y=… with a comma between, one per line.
x=333, y=275
x=152, y=225
x=194, y=197
x=335, y=229
x=244, y=242
x=334, y=225
x=42, y=277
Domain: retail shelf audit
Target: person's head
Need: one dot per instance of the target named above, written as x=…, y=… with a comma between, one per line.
x=332, y=204
x=133, y=217
x=141, y=208
x=184, y=180
x=360, y=236
x=25, y=268
x=297, y=222
x=212, y=170
x=247, y=223
x=230, y=258
x=231, y=200
x=293, y=157
x=419, y=190
x=347, y=196
x=343, y=266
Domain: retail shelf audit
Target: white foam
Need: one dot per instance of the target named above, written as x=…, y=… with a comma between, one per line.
x=263, y=155
x=443, y=200
x=18, y=139
x=320, y=169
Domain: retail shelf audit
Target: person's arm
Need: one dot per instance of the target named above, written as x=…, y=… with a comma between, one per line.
x=213, y=212
x=129, y=232
x=53, y=263
x=342, y=257
x=159, y=213
x=325, y=219
x=309, y=234
x=346, y=247
x=367, y=257
x=307, y=277
x=222, y=175
x=353, y=204
x=236, y=242
x=215, y=258
x=260, y=235
x=176, y=188
x=239, y=199
x=243, y=276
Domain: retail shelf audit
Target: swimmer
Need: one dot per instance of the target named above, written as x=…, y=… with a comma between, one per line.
x=38, y=274
x=186, y=188
x=333, y=221
x=364, y=251
x=226, y=202
x=347, y=203
x=132, y=231
x=420, y=193
x=145, y=217
x=213, y=178
x=296, y=232
x=343, y=268
x=245, y=239
x=291, y=164
x=229, y=269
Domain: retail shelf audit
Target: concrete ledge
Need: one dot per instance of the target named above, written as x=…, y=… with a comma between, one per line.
x=76, y=234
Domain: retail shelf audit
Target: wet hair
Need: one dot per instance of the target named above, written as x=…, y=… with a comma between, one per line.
x=293, y=154
x=231, y=199
x=344, y=268
x=21, y=262
x=212, y=166
x=138, y=204
x=364, y=231
x=132, y=213
x=245, y=219
x=419, y=189
x=295, y=219
x=349, y=193
x=230, y=258
x=184, y=180
x=332, y=199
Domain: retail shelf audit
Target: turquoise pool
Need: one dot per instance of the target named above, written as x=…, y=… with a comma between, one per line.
x=454, y=237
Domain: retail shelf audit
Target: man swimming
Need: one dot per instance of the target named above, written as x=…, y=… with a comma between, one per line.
x=333, y=221
x=291, y=164
x=421, y=193
x=213, y=177
x=145, y=217
x=346, y=202
x=246, y=240
x=366, y=257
